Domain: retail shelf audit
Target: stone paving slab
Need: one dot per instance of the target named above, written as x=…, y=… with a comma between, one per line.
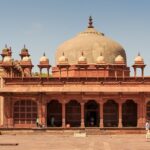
x=63, y=142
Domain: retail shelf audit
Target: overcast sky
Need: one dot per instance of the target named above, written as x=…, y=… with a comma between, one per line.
x=44, y=24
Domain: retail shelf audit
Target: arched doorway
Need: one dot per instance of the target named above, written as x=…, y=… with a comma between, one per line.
x=91, y=112
x=73, y=113
x=148, y=111
x=129, y=114
x=25, y=112
x=111, y=114
x=54, y=114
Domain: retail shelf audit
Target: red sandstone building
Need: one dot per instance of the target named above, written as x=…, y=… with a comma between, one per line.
x=90, y=86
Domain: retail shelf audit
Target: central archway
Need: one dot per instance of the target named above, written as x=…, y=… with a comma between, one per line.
x=91, y=112
x=54, y=114
x=73, y=113
x=111, y=114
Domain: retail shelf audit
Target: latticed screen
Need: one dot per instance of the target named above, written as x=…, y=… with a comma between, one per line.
x=25, y=112
x=148, y=111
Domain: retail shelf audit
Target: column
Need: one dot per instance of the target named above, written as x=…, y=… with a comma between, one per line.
x=120, y=115
x=116, y=74
x=1, y=104
x=142, y=72
x=44, y=121
x=82, y=115
x=47, y=72
x=135, y=72
x=40, y=72
x=39, y=115
x=144, y=111
x=9, y=113
x=139, y=115
x=63, y=115
x=101, y=115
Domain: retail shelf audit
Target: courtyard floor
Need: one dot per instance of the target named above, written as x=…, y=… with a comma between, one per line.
x=68, y=142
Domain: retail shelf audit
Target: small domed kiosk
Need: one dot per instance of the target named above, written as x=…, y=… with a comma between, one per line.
x=138, y=63
x=44, y=63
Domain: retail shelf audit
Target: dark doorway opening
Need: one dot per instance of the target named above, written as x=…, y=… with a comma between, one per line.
x=73, y=113
x=111, y=114
x=129, y=114
x=54, y=114
x=91, y=114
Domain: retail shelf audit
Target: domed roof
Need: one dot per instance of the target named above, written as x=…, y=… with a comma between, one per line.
x=26, y=58
x=138, y=59
x=100, y=59
x=62, y=59
x=82, y=59
x=7, y=59
x=5, y=49
x=24, y=49
x=119, y=59
x=92, y=43
x=44, y=58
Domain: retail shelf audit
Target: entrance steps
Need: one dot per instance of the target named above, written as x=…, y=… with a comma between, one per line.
x=77, y=132
x=93, y=131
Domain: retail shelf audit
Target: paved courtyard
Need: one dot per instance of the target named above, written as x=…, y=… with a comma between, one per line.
x=62, y=142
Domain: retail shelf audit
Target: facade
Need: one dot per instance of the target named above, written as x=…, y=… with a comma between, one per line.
x=90, y=86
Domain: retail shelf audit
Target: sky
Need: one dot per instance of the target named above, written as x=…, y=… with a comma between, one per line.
x=42, y=25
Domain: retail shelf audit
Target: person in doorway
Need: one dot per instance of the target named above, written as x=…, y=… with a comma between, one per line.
x=52, y=121
x=37, y=122
x=92, y=121
x=147, y=126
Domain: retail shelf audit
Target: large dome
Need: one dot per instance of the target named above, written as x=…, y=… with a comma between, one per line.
x=92, y=44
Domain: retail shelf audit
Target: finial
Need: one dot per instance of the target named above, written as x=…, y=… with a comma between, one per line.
x=82, y=53
x=5, y=45
x=44, y=54
x=90, y=22
x=63, y=54
x=10, y=48
x=138, y=53
x=24, y=46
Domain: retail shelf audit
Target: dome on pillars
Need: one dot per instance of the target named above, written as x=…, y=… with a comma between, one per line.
x=100, y=59
x=62, y=59
x=7, y=59
x=82, y=59
x=26, y=58
x=24, y=52
x=138, y=59
x=44, y=59
x=119, y=60
x=6, y=51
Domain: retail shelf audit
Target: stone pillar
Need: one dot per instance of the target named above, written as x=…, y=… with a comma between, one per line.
x=1, y=111
x=116, y=74
x=82, y=115
x=44, y=116
x=9, y=112
x=144, y=111
x=142, y=71
x=135, y=72
x=39, y=103
x=120, y=115
x=139, y=116
x=63, y=115
x=101, y=115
